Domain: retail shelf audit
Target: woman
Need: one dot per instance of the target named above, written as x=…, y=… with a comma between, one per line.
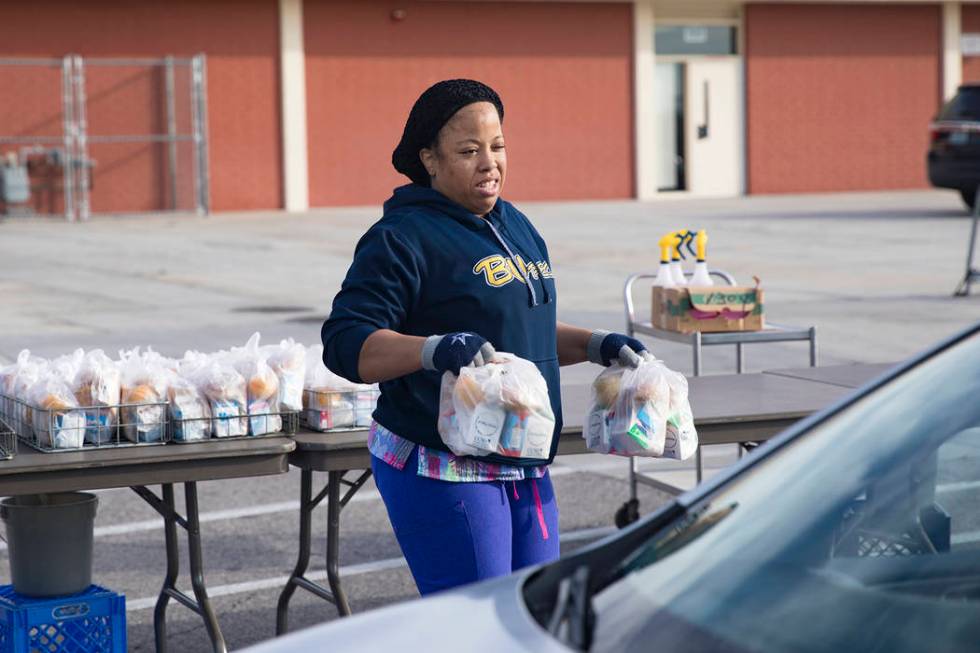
x=449, y=273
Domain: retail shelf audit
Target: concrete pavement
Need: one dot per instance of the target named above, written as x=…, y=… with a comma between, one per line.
x=873, y=271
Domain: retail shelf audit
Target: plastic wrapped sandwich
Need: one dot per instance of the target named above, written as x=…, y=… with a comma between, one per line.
x=17, y=381
x=226, y=392
x=262, y=388
x=501, y=408
x=288, y=361
x=190, y=411
x=97, y=388
x=328, y=400
x=637, y=411
x=143, y=411
x=57, y=421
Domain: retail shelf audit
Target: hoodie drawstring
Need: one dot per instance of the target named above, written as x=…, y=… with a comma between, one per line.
x=513, y=260
x=539, y=509
x=544, y=286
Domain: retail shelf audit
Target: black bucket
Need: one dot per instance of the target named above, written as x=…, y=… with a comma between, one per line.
x=49, y=537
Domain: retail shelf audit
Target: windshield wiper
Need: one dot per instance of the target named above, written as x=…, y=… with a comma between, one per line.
x=573, y=619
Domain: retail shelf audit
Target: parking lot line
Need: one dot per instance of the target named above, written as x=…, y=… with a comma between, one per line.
x=345, y=571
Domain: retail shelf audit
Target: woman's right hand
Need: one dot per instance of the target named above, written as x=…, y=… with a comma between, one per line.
x=452, y=351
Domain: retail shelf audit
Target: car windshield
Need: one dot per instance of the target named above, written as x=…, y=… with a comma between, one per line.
x=861, y=534
x=964, y=106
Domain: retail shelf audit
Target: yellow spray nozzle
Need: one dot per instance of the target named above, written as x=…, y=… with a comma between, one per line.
x=665, y=243
x=676, y=238
x=701, y=242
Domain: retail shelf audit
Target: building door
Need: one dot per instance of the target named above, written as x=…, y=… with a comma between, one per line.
x=699, y=110
x=669, y=91
x=713, y=126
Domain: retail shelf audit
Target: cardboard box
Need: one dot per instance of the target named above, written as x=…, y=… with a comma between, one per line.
x=708, y=309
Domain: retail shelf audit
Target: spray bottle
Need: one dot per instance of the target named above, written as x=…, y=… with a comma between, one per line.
x=677, y=238
x=701, y=277
x=664, y=276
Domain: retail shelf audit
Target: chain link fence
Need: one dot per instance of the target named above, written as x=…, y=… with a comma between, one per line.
x=82, y=137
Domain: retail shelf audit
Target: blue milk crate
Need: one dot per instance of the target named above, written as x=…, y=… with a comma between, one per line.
x=93, y=621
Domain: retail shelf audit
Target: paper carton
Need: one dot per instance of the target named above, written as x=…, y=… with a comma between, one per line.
x=708, y=309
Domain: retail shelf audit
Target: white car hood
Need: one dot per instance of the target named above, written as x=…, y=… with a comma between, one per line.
x=489, y=616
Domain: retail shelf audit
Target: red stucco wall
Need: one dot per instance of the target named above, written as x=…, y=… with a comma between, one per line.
x=839, y=97
x=970, y=23
x=563, y=70
x=241, y=41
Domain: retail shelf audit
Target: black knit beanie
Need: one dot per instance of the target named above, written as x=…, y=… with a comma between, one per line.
x=431, y=111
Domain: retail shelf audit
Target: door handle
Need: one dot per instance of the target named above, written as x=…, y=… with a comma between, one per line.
x=703, y=127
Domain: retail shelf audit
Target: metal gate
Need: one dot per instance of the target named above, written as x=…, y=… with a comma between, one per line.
x=83, y=137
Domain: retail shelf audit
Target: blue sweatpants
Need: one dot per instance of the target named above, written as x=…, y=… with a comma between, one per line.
x=456, y=533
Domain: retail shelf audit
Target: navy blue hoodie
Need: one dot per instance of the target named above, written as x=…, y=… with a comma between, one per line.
x=431, y=267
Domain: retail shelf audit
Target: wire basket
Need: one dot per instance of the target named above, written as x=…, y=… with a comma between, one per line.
x=8, y=441
x=226, y=421
x=52, y=429
x=339, y=410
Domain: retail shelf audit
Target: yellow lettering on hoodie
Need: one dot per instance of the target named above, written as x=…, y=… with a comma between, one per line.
x=496, y=270
x=499, y=270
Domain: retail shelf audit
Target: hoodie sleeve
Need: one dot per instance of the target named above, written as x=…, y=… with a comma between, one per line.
x=381, y=286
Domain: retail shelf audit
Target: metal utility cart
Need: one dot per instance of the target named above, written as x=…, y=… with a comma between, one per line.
x=629, y=512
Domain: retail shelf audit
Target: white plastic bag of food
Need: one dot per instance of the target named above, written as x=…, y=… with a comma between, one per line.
x=57, y=421
x=66, y=367
x=226, y=392
x=681, y=440
x=17, y=380
x=262, y=388
x=7, y=374
x=365, y=399
x=329, y=400
x=190, y=412
x=628, y=415
x=97, y=388
x=143, y=396
x=500, y=408
x=288, y=361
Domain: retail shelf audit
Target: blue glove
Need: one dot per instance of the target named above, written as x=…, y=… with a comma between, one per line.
x=604, y=348
x=452, y=351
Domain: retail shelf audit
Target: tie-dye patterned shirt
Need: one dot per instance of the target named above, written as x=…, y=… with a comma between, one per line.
x=440, y=465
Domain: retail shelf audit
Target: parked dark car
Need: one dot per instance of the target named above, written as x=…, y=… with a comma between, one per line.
x=858, y=529
x=954, y=153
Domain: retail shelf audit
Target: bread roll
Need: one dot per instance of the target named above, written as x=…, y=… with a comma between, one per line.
x=54, y=402
x=645, y=393
x=84, y=395
x=141, y=394
x=606, y=390
x=468, y=392
x=263, y=385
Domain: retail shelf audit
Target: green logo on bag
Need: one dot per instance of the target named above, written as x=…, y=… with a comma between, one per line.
x=638, y=433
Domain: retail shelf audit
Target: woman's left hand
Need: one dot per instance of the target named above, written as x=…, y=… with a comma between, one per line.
x=605, y=347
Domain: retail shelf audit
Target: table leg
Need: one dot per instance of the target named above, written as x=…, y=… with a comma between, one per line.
x=333, y=542
x=335, y=505
x=197, y=569
x=173, y=568
x=191, y=524
x=303, y=562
